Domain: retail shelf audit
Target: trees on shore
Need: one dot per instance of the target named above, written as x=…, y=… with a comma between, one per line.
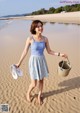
x=52, y=10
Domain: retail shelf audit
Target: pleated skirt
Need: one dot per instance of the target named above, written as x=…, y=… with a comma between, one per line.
x=38, y=67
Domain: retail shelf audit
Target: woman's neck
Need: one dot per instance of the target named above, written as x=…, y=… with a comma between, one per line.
x=38, y=36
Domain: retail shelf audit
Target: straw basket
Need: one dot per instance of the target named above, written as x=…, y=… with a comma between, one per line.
x=64, y=68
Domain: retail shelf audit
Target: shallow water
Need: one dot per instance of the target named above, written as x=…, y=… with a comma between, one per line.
x=4, y=23
x=63, y=38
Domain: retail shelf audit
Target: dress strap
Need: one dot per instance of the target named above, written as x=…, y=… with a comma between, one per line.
x=33, y=38
x=38, y=41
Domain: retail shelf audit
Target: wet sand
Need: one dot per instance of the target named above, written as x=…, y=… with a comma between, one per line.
x=60, y=94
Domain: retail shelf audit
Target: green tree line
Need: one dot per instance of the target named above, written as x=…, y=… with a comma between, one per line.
x=67, y=8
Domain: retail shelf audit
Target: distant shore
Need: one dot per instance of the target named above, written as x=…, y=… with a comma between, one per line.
x=63, y=17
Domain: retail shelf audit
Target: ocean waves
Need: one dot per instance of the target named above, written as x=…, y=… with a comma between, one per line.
x=4, y=23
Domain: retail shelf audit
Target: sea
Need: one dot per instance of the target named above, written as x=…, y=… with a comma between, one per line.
x=4, y=23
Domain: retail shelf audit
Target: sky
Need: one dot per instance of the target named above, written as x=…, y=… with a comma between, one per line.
x=11, y=7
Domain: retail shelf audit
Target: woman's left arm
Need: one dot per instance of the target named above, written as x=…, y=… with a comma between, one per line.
x=53, y=52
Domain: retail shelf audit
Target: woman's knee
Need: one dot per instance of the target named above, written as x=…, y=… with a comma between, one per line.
x=34, y=83
x=41, y=81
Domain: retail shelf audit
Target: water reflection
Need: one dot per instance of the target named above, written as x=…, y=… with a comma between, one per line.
x=62, y=37
x=52, y=22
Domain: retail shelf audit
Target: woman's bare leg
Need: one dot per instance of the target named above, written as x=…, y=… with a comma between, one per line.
x=40, y=91
x=31, y=87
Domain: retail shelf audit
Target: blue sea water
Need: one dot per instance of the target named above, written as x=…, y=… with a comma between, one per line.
x=4, y=23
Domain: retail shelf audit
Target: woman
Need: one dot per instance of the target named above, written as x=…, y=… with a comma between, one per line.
x=37, y=64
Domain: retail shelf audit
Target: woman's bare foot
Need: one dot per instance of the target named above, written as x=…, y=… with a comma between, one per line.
x=40, y=99
x=28, y=97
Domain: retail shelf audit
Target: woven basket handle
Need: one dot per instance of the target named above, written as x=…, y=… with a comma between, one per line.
x=64, y=61
x=68, y=60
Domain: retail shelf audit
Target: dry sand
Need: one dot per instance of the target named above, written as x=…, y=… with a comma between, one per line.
x=64, y=17
x=61, y=94
x=70, y=17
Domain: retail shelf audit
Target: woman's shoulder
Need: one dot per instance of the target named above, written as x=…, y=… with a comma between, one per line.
x=29, y=39
x=45, y=38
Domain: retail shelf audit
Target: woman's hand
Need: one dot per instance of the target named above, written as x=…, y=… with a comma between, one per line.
x=17, y=65
x=64, y=55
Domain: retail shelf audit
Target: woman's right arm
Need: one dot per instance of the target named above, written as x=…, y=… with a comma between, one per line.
x=24, y=53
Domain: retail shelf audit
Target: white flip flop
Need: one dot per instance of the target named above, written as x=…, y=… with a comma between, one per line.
x=15, y=71
x=19, y=72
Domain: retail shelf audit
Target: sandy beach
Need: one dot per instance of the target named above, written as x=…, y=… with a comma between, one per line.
x=64, y=17
x=70, y=17
x=60, y=94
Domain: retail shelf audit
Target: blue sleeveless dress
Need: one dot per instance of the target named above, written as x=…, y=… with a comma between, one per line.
x=37, y=63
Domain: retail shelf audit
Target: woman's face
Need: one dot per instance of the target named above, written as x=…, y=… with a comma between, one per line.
x=39, y=28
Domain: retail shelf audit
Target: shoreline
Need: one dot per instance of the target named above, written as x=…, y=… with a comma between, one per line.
x=70, y=17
